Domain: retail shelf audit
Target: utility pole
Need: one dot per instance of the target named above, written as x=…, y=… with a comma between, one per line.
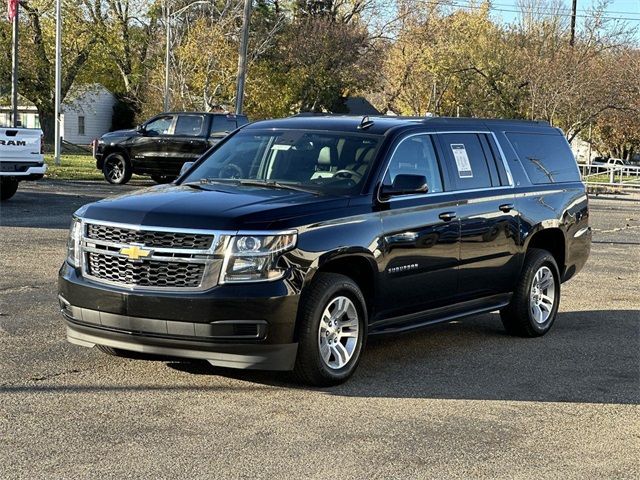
x=14, y=69
x=167, y=57
x=58, y=81
x=242, y=55
x=574, y=7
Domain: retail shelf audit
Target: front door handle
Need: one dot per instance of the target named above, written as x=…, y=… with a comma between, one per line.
x=506, y=207
x=447, y=216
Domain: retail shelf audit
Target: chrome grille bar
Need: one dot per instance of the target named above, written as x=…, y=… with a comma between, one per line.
x=169, y=259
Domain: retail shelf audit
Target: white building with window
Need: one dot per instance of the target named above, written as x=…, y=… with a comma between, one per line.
x=86, y=114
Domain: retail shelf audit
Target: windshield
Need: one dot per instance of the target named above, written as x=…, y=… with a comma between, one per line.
x=325, y=162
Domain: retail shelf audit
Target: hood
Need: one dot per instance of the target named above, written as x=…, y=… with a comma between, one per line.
x=118, y=134
x=216, y=207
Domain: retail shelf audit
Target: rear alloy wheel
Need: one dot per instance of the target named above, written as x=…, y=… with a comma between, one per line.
x=8, y=188
x=162, y=179
x=116, y=169
x=535, y=301
x=331, y=330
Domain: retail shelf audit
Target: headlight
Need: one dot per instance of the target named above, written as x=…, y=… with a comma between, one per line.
x=73, y=243
x=254, y=258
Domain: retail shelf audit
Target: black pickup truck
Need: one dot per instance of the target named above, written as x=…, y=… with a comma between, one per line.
x=160, y=146
x=292, y=240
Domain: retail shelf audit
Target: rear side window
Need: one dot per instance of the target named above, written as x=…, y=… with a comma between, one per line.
x=467, y=162
x=222, y=124
x=546, y=158
x=189, y=125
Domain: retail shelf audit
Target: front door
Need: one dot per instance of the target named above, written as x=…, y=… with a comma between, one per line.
x=186, y=143
x=420, y=234
x=148, y=148
x=489, y=221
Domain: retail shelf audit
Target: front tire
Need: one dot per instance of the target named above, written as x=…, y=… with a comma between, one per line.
x=8, y=188
x=535, y=301
x=332, y=330
x=117, y=169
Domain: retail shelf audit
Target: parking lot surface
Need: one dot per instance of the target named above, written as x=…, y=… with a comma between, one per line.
x=458, y=400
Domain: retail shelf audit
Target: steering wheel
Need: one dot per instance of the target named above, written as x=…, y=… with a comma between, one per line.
x=348, y=174
x=230, y=170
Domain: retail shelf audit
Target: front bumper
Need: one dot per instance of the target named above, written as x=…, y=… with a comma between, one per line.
x=238, y=326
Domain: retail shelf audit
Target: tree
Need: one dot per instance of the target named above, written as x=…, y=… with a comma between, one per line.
x=36, y=77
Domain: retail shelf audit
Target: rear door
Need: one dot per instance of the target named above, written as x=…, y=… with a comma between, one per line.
x=420, y=235
x=489, y=221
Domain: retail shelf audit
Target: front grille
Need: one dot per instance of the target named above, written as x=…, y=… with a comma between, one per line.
x=146, y=273
x=148, y=238
x=174, y=261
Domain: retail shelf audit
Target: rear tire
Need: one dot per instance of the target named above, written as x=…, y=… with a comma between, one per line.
x=8, y=188
x=162, y=179
x=332, y=323
x=117, y=169
x=536, y=298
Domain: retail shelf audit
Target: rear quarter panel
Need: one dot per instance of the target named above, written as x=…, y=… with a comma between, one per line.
x=563, y=206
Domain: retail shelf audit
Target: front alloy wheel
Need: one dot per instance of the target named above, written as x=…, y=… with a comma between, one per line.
x=332, y=323
x=338, y=333
x=116, y=169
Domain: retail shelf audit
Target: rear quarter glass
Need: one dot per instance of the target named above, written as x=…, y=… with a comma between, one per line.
x=547, y=158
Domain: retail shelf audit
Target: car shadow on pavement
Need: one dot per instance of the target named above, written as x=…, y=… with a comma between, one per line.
x=590, y=356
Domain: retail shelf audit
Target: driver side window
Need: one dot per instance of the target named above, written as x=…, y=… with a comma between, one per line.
x=415, y=155
x=159, y=126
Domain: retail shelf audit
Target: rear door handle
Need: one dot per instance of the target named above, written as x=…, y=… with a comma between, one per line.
x=506, y=207
x=447, y=216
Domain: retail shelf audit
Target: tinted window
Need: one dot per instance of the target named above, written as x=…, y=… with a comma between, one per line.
x=189, y=125
x=415, y=156
x=222, y=124
x=466, y=159
x=546, y=158
x=159, y=126
x=327, y=162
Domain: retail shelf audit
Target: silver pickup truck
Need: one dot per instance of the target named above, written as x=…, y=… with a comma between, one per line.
x=21, y=158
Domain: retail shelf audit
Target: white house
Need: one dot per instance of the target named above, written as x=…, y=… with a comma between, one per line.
x=583, y=150
x=86, y=114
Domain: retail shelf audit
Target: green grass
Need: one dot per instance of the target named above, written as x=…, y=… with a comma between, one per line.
x=73, y=167
x=604, y=178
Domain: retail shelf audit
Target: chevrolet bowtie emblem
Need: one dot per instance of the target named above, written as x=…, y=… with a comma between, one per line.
x=134, y=252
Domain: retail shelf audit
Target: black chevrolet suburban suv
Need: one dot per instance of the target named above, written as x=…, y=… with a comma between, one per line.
x=160, y=146
x=292, y=240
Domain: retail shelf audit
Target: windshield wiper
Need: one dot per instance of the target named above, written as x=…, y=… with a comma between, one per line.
x=258, y=183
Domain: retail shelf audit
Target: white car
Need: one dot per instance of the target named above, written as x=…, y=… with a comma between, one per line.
x=21, y=158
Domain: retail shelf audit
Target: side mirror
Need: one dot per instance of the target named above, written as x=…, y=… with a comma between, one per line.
x=404, y=184
x=185, y=166
x=141, y=129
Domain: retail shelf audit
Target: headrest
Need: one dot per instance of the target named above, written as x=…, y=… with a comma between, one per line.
x=324, y=157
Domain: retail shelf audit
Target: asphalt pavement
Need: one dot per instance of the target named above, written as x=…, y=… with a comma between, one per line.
x=460, y=400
